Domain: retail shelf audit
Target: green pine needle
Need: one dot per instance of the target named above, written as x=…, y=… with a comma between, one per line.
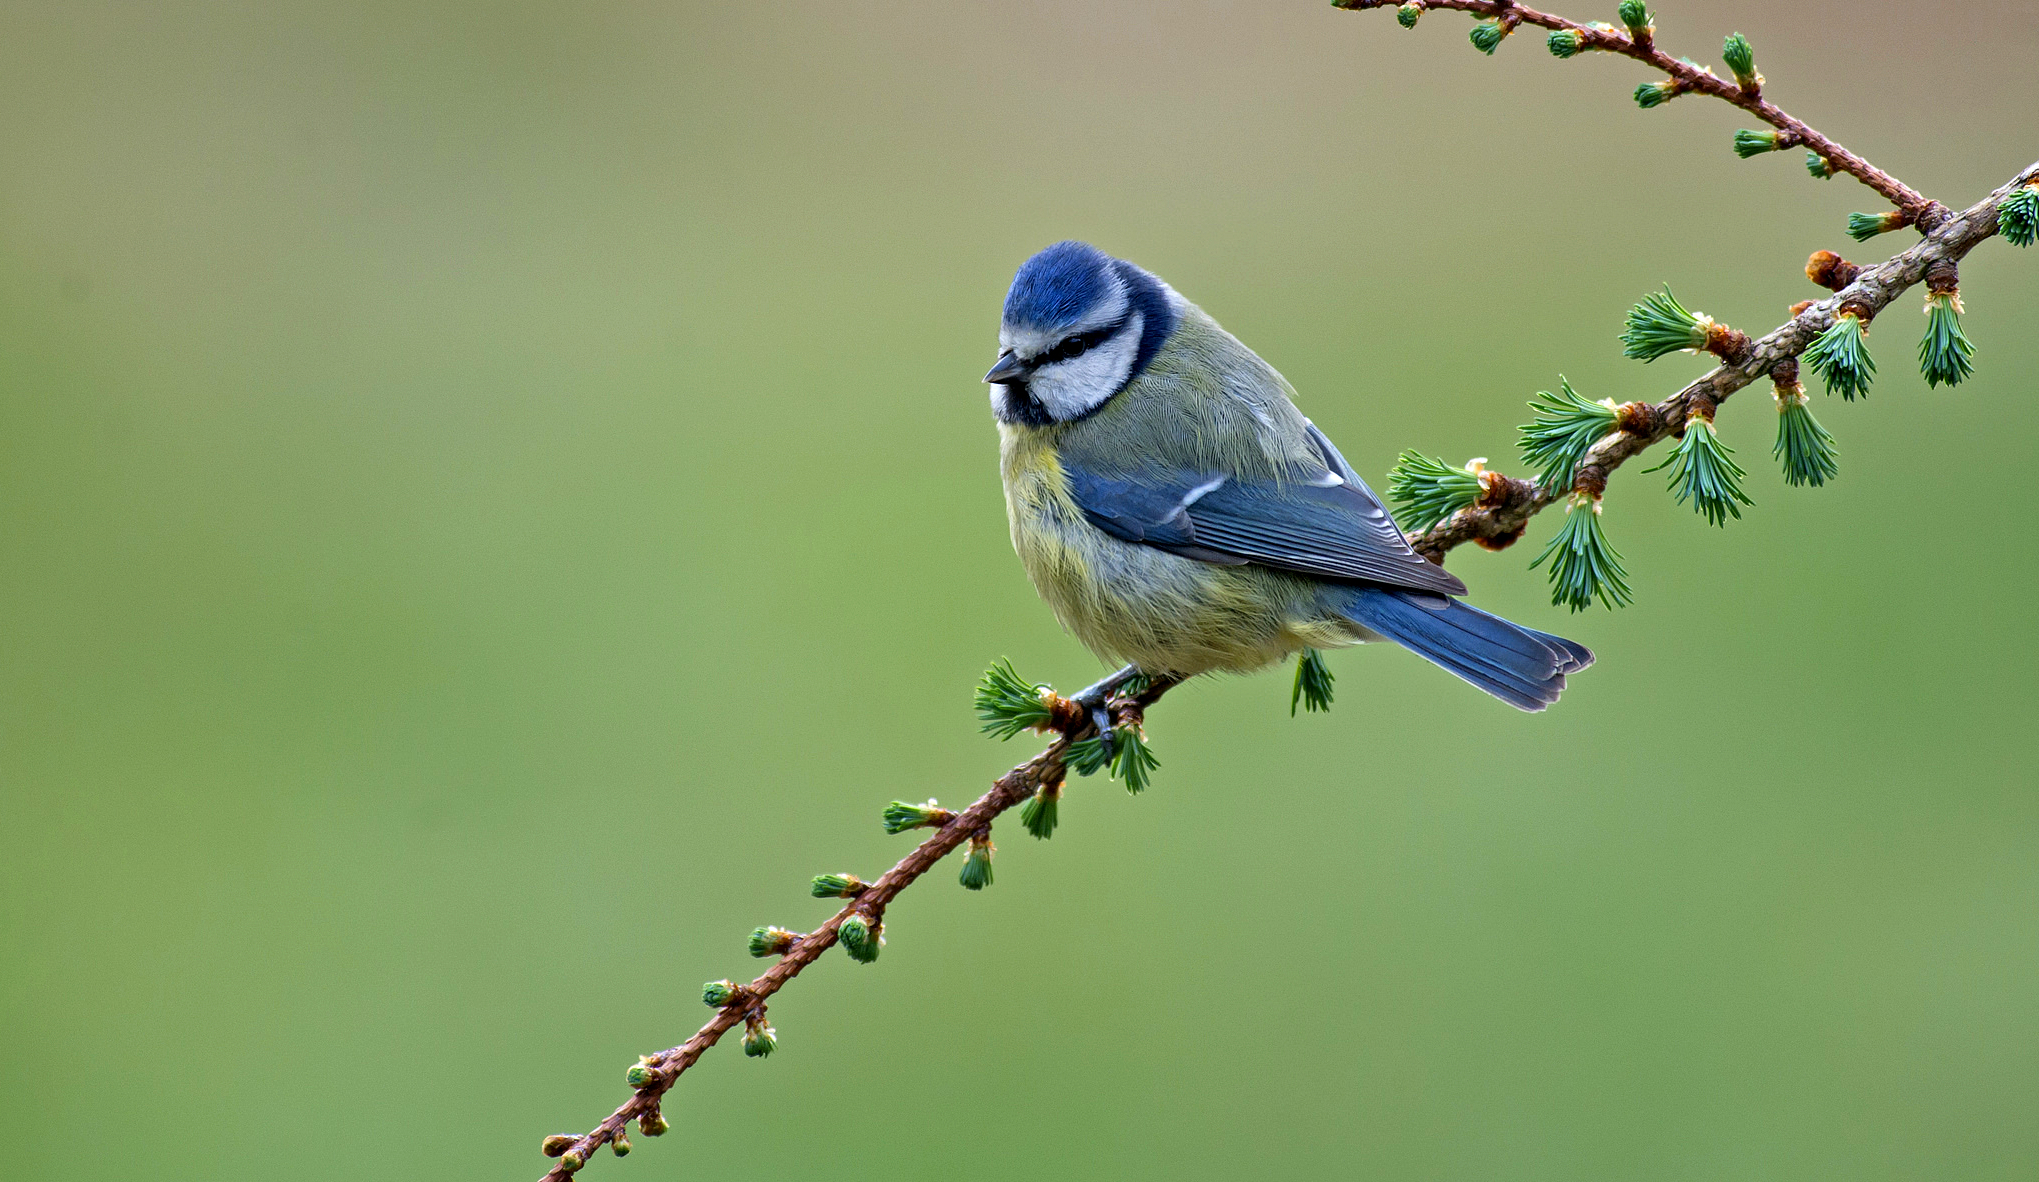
x=1007, y=704
x=902, y=815
x=976, y=874
x=1754, y=143
x=837, y=886
x=1840, y=356
x=1313, y=683
x=718, y=993
x=1655, y=94
x=1804, y=448
x=1038, y=813
x=1704, y=472
x=2018, y=217
x=1488, y=35
x=1133, y=762
x=1565, y=429
x=1583, y=566
x=1864, y=226
x=1408, y=14
x=771, y=942
x=759, y=1040
x=1566, y=43
x=1660, y=325
x=1817, y=165
x=859, y=938
x=1426, y=491
x=1945, y=353
x=1085, y=756
x=1131, y=759
x=1740, y=59
x=1635, y=14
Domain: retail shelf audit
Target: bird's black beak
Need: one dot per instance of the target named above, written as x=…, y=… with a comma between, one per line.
x=1008, y=369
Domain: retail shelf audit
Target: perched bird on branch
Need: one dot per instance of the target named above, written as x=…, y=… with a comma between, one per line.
x=1177, y=511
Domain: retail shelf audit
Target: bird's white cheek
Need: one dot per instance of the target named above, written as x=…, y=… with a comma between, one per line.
x=1070, y=389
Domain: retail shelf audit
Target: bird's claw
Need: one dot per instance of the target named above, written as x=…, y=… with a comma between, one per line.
x=1096, y=701
x=1101, y=718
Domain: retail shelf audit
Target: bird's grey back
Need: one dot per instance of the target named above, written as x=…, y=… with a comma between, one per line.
x=1205, y=403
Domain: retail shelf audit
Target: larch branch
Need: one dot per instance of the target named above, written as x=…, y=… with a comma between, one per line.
x=1500, y=518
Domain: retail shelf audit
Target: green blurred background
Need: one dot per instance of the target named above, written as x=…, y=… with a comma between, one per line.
x=492, y=497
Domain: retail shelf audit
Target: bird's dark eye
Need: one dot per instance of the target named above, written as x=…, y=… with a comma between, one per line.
x=1078, y=345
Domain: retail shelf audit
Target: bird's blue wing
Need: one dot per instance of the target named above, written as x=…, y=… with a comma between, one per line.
x=1328, y=524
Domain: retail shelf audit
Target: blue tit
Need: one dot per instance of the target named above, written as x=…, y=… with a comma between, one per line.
x=1177, y=511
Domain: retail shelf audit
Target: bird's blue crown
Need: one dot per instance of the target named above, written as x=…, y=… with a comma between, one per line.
x=1057, y=287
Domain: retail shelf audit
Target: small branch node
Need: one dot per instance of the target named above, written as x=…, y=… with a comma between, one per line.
x=1639, y=419
x=1830, y=270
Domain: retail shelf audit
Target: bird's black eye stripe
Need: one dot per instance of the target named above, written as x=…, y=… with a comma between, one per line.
x=1078, y=345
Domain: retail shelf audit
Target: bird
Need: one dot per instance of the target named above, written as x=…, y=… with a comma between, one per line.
x=1177, y=511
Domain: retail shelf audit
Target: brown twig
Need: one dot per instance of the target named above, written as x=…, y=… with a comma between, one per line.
x=1692, y=79
x=1871, y=290
x=1008, y=791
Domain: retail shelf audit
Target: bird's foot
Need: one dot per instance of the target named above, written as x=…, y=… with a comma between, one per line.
x=1096, y=701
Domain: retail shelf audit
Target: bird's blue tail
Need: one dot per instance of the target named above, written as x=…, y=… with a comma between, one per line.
x=1521, y=666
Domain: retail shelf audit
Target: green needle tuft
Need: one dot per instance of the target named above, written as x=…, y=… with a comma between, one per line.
x=1804, y=448
x=1754, y=143
x=1408, y=14
x=901, y=816
x=1133, y=762
x=1634, y=14
x=1840, y=356
x=2018, y=217
x=1313, y=683
x=1085, y=756
x=976, y=874
x=1426, y=491
x=1741, y=60
x=1565, y=429
x=771, y=942
x=1038, y=814
x=859, y=938
x=1945, y=353
x=1655, y=94
x=1704, y=472
x=718, y=993
x=620, y=1145
x=838, y=886
x=1131, y=759
x=1864, y=226
x=1007, y=704
x=1488, y=35
x=1583, y=566
x=1660, y=325
x=642, y=1076
x=1566, y=42
x=1817, y=165
x=759, y=1040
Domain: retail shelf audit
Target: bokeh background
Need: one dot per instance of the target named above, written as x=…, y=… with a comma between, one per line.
x=493, y=497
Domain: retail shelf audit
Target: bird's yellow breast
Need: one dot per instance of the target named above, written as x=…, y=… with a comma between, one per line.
x=1164, y=612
